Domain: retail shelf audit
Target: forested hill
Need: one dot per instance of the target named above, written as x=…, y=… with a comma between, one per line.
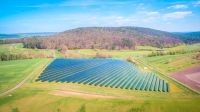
x=106, y=38
x=189, y=37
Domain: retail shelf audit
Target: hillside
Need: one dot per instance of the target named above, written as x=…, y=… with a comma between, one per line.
x=106, y=38
x=189, y=37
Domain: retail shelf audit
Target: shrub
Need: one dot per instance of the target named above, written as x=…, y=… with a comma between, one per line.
x=82, y=109
x=103, y=55
x=130, y=59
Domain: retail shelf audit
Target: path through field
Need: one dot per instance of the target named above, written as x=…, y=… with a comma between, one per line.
x=77, y=93
x=189, y=76
x=28, y=77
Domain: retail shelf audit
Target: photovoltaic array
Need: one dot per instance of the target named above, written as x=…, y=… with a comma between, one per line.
x=103, y=72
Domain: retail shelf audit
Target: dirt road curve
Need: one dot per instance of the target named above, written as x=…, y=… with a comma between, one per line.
x=76, y=93
x=33, y=73
x=189, y=76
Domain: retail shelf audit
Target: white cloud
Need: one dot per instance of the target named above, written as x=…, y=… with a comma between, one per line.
x=178, y=6
x=90, y=3
x=95, y=20
x=176, y=15
x=196, y=3
x=120, y=20
x=38, y=6
x=78, y=4
x=154, y=13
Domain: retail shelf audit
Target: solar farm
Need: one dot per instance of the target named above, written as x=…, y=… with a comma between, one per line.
x=104, y=73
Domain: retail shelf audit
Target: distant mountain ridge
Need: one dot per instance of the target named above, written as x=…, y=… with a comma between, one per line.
x=189, y=37
x=9, y=36
x=22, y=35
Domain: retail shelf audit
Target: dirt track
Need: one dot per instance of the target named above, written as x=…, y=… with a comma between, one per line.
x=73, y=93
x=189, y=76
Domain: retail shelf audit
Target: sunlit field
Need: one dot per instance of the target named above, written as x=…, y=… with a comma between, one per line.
x=100, y=56
x=94, y=98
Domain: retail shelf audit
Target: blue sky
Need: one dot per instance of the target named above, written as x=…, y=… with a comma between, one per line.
x=21, y=16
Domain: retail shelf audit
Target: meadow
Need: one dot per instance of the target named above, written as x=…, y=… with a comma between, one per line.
x=18, y=48
x=74, y=97
x=13, y=72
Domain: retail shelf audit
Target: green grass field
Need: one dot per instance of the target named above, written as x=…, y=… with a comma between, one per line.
x=18, y=48
x=42, y=101
x=48, y=97
x=13, y=51
x=171, y=63
x=180, y=47
x=12, y=72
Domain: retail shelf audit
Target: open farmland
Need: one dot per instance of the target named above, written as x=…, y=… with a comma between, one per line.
x=189, y=76
x=103, y=72
x=13, y=72
x=100, y=56
x=55, y=96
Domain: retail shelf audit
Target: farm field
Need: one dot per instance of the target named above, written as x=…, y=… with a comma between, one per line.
x=171, y=63
x=13, y=72
x=189, y=76
x=19, y=48
x=74, y=97
x=55, y=103
x=100, y=56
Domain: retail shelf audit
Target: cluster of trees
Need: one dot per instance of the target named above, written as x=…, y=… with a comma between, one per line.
x=126, y=42
x=197, y=56
x=9, y=56
x=189, y=37
x=1, y=41
x=10, y=41
x=131, y=60
x=161, y=53
x=25, y=55
x=79, y=43
x=32, y=42
x=103, y=55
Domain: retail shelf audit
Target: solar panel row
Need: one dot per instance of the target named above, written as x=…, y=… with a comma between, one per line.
x=103, y=72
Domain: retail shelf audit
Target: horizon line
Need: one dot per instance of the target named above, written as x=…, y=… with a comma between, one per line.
x=99, y=27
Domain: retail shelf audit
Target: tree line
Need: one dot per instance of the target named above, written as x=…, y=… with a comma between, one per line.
x=78, y=43
x=5, y=56
x=172, y=52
